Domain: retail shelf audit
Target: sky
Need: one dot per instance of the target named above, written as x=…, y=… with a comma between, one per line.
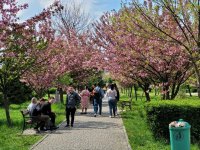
x=94, y=7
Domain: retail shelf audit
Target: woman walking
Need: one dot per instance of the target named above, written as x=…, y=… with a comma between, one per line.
x=85, y=97
x=111, y=94
x=117, y=97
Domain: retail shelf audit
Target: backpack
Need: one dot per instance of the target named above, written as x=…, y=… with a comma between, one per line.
x=97, y=94
x=35, y=112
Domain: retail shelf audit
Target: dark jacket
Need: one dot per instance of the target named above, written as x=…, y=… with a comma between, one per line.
x=46, y=108
x=118, y=96
x=73, y=99
x=98, y=93
x=36, y=111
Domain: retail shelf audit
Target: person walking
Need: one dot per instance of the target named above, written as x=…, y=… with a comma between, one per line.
x=85, y=97
x=73, y=99
x=117, y=97
x=97, y=99
x=101, y=92
x=57, y=95
x=111, y=94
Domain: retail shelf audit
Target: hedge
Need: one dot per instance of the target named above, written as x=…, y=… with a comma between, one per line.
x=161, y=113
x=52, y=90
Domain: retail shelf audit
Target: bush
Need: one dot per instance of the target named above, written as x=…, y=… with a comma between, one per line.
x=161, y=113
x=18, y=92
x=193, y=89
x=52, y=90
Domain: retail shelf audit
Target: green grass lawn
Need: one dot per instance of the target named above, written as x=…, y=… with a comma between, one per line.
x=11, y=138
x=140, y=137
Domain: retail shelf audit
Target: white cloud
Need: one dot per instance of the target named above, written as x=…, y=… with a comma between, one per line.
x=93, y=7
x=23, y=1
x=45, y=3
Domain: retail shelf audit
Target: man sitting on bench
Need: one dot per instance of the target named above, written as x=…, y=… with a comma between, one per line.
x=46, y=110
x=35, y=112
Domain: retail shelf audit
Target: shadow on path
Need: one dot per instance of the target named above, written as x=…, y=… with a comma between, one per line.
x=92, y=125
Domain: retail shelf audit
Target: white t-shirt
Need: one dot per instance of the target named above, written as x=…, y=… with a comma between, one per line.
x=31, y=107
x=111, y=94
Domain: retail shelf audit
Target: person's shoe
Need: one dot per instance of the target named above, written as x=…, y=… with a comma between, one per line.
x=67, y=125
x=82, y=113
x=95, y=115
x=43, y=129
x=54, y=128
x=110, y=116
x=36, y=129
x=85, y=113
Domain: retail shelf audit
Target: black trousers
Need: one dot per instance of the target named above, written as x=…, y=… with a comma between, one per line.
x=70, y=111
x=52, y=115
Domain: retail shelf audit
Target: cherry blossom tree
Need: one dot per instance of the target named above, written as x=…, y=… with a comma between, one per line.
x=63, y=56
x=146, y=61
x=21, y=42
x=161, y=16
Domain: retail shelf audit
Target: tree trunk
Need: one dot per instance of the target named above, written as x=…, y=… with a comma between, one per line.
x=48, y=93
x=198, y=44
x=121, y=90
x=61, y=96
x=198, y=88
x=166, y=94
x=39, y=95
x=6, y=106
x=131, y=90
x=147, y=96
x=135, y=90
x=197, y=72
x=175, y=91
x=188, y=87
x=156, y=90
x=146, y=92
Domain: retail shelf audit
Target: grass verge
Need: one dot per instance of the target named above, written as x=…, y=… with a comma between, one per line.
x=139, y=135
x=11, y=138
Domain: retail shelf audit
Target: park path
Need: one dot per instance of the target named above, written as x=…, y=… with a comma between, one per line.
x=88, y=133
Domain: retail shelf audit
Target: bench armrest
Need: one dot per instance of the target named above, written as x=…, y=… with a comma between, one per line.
x=24, y=112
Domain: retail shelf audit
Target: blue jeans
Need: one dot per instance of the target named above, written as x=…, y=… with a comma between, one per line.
x=112, y=106
x=116, y=107
x=95, y=105
x=100, y=106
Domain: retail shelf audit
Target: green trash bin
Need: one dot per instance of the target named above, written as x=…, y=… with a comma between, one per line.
x=179, y=135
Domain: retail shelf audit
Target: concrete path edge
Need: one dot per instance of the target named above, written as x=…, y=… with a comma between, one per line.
x=45, y=136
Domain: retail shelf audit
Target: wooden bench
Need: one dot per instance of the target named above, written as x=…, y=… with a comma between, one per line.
x=28, y=120
x=125, y=103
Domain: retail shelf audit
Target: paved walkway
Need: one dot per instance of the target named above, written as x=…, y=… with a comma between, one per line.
x=88, y=133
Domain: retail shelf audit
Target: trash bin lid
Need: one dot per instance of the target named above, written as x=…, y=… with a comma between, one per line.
x=181, y=124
